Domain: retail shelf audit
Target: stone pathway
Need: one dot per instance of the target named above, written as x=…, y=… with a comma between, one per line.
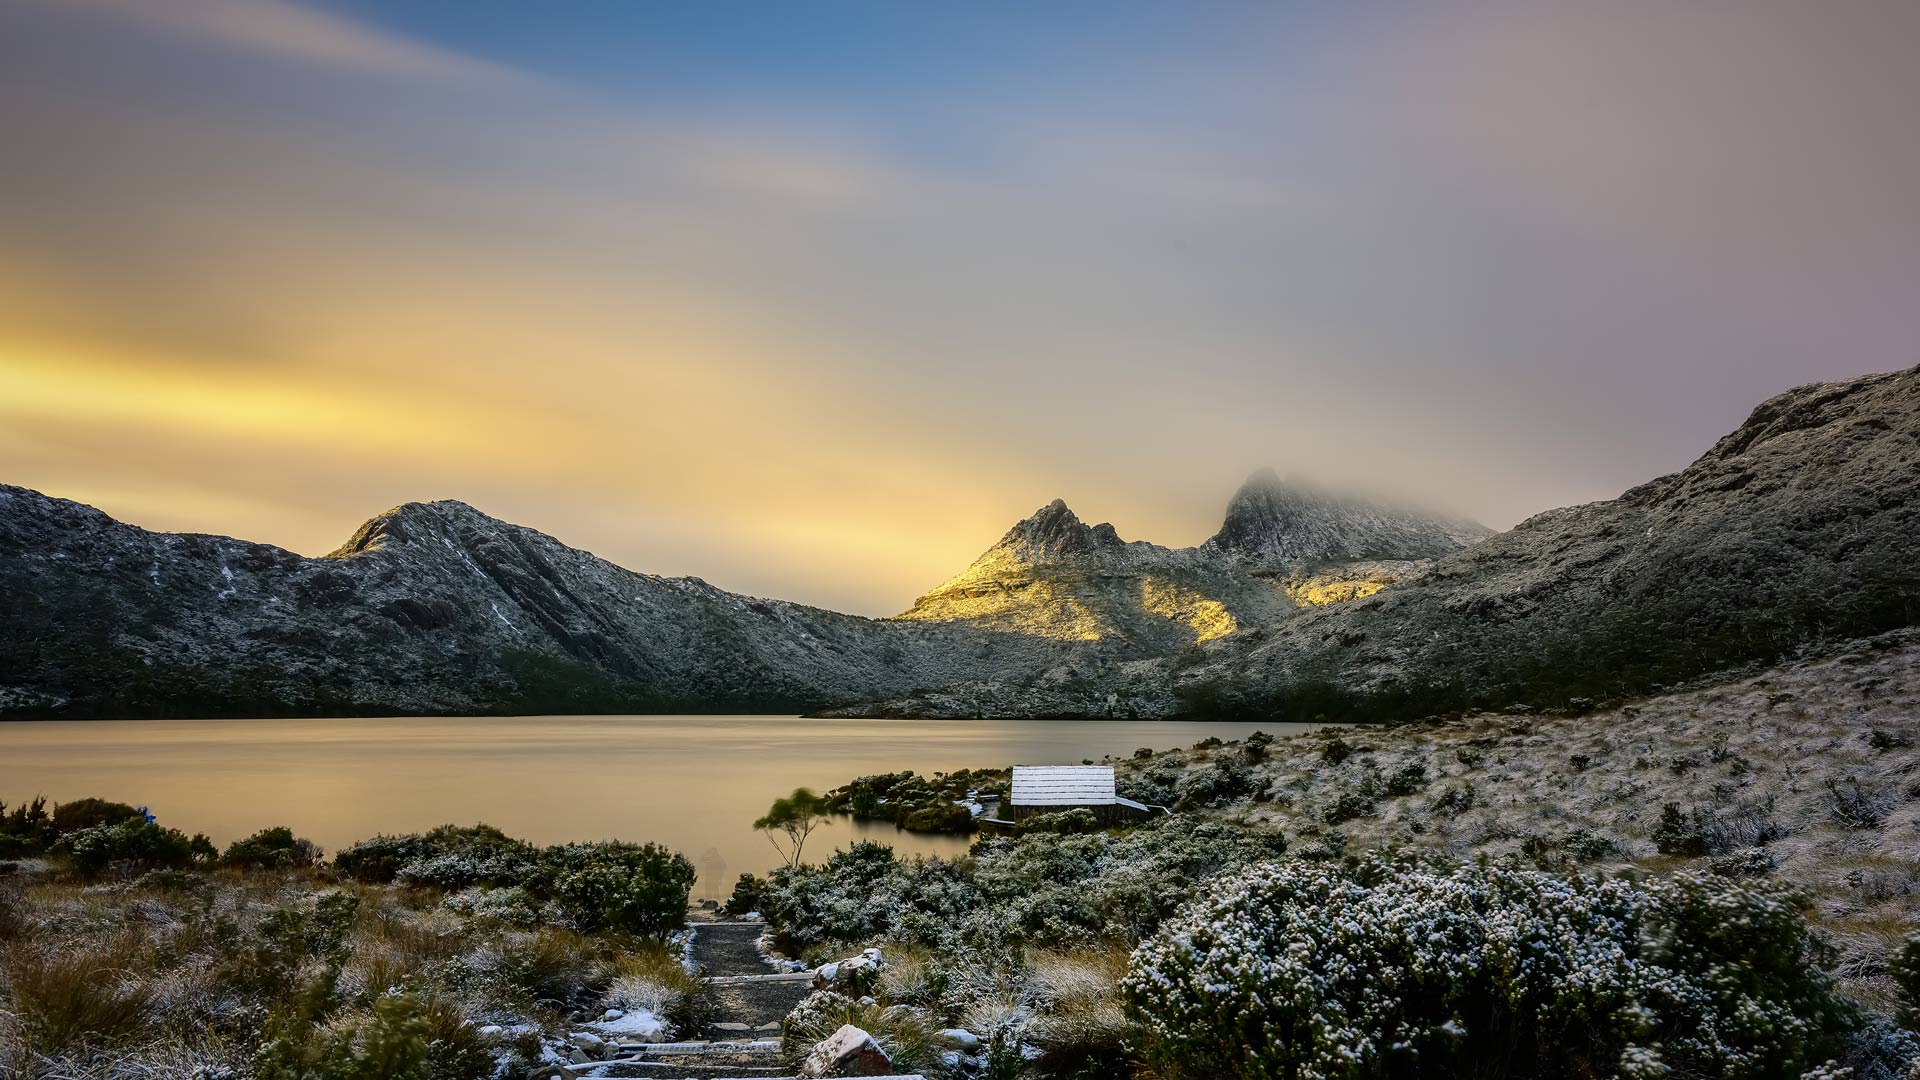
x=753, y=999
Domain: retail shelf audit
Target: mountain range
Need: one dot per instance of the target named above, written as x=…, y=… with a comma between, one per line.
x=1307, y=602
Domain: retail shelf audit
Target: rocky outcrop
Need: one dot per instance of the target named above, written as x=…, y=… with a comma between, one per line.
x=1283, y=546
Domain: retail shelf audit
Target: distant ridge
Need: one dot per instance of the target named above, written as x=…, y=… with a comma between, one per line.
x=1801, y=525
x=1055, y=576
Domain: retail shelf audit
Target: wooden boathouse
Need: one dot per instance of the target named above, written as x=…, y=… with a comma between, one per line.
x=1050, y=789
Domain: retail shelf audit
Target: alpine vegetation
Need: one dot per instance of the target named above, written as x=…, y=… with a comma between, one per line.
x=1386, y=968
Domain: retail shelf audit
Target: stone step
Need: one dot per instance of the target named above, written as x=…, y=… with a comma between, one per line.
x=782, y=977
x=699, y=1046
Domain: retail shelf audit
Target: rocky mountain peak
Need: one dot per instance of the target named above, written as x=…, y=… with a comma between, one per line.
x=413, y=522
x=1274, y=522
x=1053, y=532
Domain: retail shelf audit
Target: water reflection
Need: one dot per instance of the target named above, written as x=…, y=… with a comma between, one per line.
x=693, y=783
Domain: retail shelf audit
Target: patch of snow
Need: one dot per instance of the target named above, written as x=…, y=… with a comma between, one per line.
x=503, y=618
x=632, y=1023
x=230, y=591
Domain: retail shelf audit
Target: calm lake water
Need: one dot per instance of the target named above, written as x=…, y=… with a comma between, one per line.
x=693, y=783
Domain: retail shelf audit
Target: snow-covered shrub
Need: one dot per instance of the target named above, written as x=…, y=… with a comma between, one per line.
x=745, y=897
x=134, y=842
x=513, y=905
x=1904, y=968
x=1217, y=785
x=1307, y=970
x=1679, y=833
x=449, y=857
x=1409, y=780
x=1041, y=888
x=1156, y=785
x=1064, y=822
x=631, y=888
x=271, y=848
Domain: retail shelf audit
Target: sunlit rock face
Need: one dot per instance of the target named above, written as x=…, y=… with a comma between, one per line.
x=1283, y=546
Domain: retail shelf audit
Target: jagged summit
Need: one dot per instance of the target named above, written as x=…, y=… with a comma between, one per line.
x=1054, y=532
x=413, y=521
x=1274, y=523
x=1053, y=575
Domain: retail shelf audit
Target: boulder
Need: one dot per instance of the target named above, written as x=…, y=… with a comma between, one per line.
x=849, y=1051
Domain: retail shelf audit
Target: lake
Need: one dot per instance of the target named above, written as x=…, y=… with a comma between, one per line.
x=693, y=783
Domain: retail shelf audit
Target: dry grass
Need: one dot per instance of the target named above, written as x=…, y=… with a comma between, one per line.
x=1080, y=1023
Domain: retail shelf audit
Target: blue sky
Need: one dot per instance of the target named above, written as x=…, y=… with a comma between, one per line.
x=815, y=300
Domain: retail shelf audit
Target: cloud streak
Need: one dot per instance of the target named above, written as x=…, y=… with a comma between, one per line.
x=815, y=326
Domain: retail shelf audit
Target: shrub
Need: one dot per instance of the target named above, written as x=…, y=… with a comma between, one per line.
x=1408, y=781
x=88, y=813
x=631, y=888
x=1335, y=750
x=1455, y=800
x=1679, y=833
x=1856, y=807
x=513, y=905
x=271, y=848
x=1062, y=822
x=1349, y=804
x=1255, y=747
x=1486, y=971
x=1904, y=970
x=1043, y=888
x=1751, y=863
x=941, y=817
x=449, y=857
x=1217, y=785
x=745, y=896
x=135, y=843
x=1883, y=740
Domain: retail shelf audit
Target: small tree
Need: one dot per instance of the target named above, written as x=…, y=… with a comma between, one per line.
x=794, y=817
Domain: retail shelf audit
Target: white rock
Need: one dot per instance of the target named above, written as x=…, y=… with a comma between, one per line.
x=847, y=1052
x=958, y=1038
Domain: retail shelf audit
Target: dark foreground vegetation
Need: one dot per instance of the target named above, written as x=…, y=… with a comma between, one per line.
x=1090, y=956
x=128, y=949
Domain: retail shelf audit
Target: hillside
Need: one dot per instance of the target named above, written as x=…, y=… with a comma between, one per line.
x=1802, y=524
x=1798, y=527
x=430, y=608
x=1800, y=772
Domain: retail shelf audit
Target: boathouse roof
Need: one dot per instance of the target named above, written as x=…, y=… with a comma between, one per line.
x=1063, y=785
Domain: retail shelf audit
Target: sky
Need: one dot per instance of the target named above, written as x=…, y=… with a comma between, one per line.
x=815, y=300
